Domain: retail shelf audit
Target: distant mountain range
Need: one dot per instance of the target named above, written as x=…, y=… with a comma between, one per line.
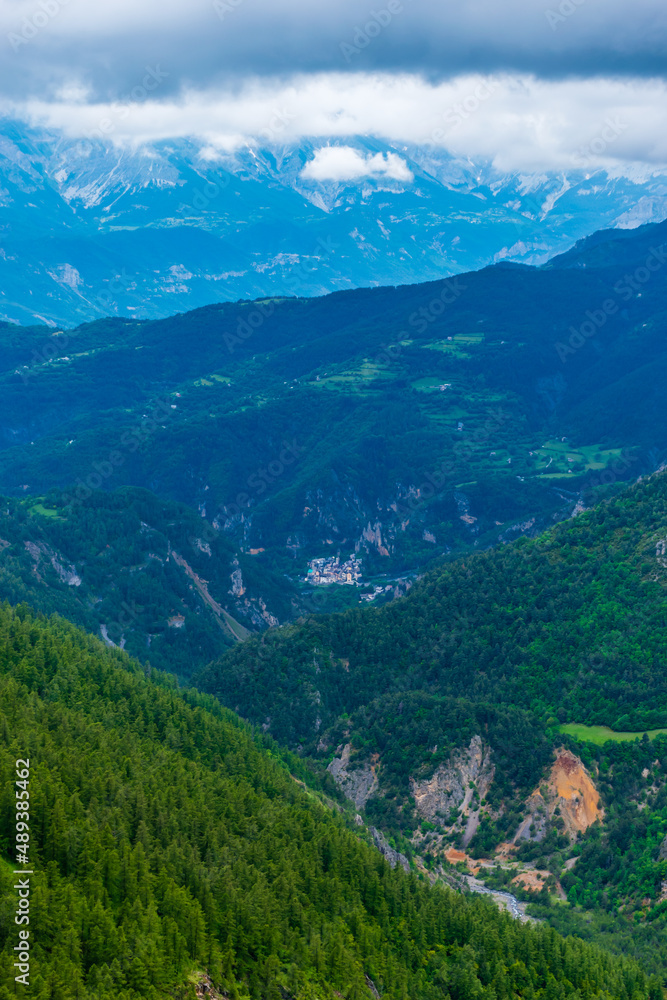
x=89, y=229
x=397, y=424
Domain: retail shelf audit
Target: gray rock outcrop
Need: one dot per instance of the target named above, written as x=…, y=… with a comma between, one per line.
x=357, y=784
x=449, y=788
x=384, y=847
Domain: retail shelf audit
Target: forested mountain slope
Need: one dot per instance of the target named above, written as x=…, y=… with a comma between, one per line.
x=569, y=625
x=394, y=423
x=167, y=846
x=443, y=714
x=148, y=575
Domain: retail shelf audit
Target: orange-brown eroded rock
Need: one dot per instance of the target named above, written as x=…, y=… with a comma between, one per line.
x=577, y=796
x=453, y=856
x=569, y=792
x=531, y=880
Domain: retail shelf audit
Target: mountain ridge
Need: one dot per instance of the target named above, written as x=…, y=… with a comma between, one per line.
x=177, y=225
x=413, y=421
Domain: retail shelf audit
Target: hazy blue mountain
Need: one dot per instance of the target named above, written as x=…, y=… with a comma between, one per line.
x=89, y=229
x=399, y=424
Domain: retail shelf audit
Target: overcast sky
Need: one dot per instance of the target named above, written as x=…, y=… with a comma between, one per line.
x=532, y=85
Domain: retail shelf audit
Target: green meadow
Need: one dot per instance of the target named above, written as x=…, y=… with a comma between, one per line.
x=602, y=734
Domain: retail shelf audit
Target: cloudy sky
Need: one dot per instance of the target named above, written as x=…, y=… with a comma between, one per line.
x=533, y=85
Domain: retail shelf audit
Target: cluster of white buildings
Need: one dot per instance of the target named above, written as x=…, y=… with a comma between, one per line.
x=332, y=570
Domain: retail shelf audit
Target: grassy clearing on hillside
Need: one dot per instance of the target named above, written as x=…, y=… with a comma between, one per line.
x=39, y=508
x=457, y=344
x=602, y=734
x=560, y=458
x=354, y=379
x=431, y=383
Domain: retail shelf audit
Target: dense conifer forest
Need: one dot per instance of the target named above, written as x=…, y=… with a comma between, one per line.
x=167, y=842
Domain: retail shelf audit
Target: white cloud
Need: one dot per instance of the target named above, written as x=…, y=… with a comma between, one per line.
x=72, y=93
x=520, y=123
x=342, y=163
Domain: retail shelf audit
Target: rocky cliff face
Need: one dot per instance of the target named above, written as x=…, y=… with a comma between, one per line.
x=454, y=784
x=66, y=574
x=460, y=786
x=384, y=847
x=357, y=784
x=662, y=853
x=253, y=609
x=569, y=794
